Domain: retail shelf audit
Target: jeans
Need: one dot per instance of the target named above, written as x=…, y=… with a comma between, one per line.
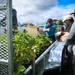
x=67, y=64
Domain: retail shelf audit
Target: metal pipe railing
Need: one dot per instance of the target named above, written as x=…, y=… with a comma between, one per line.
x=41, y=56
x=47, y=50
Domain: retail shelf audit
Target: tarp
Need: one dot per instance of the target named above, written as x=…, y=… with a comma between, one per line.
x=56, y=54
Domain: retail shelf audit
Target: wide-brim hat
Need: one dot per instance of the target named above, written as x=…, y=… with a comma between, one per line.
x=73, y=12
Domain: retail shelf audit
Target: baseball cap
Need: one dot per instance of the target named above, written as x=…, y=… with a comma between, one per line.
x=49, y=20
x=67, y=17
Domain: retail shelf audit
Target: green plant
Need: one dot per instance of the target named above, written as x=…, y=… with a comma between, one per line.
x=25, y=47
x=42, y=41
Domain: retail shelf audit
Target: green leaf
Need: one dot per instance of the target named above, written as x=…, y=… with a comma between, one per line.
x=21, y=68
x=32, y=53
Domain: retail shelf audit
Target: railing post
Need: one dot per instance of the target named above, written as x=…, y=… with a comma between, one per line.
x=9, y=36
x=33, y=66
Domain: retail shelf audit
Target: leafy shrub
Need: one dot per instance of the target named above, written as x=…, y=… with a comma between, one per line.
x=25, y=47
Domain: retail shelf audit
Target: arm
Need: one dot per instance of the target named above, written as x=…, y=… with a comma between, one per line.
x=71, y=37
x=45, y=29
x=63, y=37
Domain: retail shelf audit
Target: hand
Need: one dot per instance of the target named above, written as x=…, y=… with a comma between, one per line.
x=48, y=29
x=63, y=38
x=58, y=34
x=66, y=34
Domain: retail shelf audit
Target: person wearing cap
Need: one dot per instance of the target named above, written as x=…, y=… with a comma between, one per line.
x=50, y=29
x=68, y=20
x=67, y=68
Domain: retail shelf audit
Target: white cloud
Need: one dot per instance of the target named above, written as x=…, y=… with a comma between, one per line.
x=38, y=11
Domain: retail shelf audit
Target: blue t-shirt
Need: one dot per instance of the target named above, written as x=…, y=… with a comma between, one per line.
x=52, y=30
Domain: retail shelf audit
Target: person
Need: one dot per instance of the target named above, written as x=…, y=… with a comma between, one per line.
x=73, y=13
x=14, y=19
x=68, y=20
x=67, y=54
x=50, y=29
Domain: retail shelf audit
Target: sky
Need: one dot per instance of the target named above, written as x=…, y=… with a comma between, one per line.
x=38, y=11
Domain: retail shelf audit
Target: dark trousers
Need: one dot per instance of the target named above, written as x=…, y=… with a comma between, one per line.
x=67, y=61
x=52, y=38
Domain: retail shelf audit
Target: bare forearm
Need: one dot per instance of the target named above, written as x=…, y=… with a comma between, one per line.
x=45, y=30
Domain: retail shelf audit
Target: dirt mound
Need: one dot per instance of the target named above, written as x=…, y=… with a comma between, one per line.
x=31, y=31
